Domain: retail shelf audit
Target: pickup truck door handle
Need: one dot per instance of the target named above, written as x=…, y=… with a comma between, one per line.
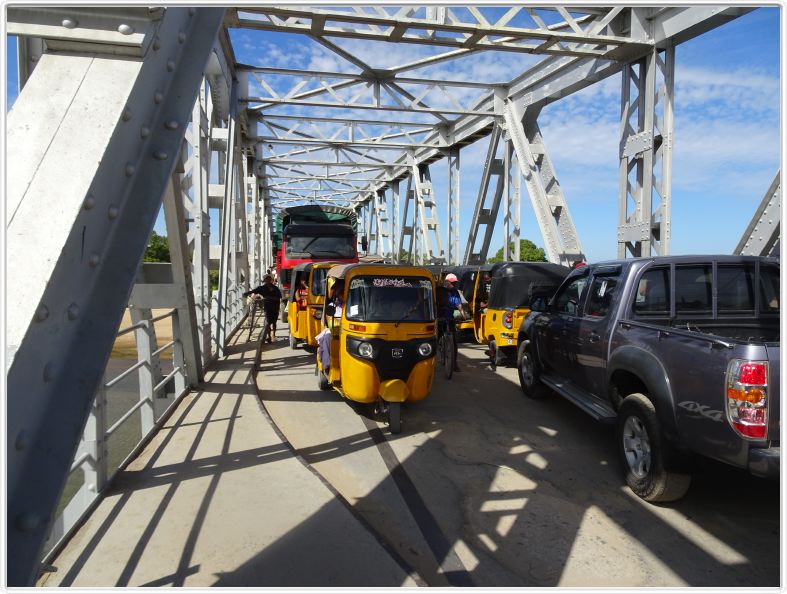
x=594, y=337
x=625, y=325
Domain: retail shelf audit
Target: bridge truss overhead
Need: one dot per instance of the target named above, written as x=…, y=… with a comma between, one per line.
x=225, y=143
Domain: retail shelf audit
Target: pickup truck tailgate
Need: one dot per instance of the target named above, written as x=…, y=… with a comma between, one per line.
x=774, y=393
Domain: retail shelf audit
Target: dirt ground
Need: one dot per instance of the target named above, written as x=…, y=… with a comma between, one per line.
x=126, y=346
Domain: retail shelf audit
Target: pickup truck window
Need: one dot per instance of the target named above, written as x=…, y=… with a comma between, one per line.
x=600, y=296
x=769, y=289
x=735, y=289
x=652, y=298
x=693, y=289
x=569, y=298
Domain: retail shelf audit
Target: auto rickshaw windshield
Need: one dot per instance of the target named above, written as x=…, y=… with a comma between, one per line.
x=390, y=299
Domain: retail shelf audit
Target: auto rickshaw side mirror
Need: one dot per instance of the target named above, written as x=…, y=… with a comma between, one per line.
x=364, y=243
x=330, y=310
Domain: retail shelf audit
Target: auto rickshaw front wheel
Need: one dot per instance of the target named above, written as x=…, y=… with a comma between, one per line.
x=322, y=381
x=293, y=342
x=395, y=417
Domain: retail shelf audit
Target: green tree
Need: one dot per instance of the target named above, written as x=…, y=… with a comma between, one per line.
x=528, y=252
x=157, y=249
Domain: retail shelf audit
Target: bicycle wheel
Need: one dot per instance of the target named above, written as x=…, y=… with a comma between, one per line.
x=448, y=355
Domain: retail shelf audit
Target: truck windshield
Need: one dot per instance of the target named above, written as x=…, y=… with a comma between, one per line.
x=390, y=299
x=321, y=247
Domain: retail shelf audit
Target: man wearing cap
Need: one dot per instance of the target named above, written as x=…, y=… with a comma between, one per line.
x=271, y=299
x=451, y=303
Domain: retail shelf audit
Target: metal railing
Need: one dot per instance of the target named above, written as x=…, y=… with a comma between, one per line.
x=158, y=394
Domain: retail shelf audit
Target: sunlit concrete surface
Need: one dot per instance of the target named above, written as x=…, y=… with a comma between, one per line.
x=216, y=499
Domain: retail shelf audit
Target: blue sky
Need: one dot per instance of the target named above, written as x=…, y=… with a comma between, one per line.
x=727, y=130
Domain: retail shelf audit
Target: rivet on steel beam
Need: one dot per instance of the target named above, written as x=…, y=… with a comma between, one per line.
x=158, y=97
x=49, y=372
x=126, y=115
x=181, y=37
x=113, y=212
x=72, y=311
x=160, y=155
x=42, y=313
x=171, y=125
x=170, y=65
x=89, y=202
x=156, y=44
x=27, y=522
x=130, y=170
x=94, y=260
x=144, y=132
x=70, y=23
x=22, y=440
x=125, y=29
x=192, y=11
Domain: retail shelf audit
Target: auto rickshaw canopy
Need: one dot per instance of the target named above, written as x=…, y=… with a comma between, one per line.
x=515, y=283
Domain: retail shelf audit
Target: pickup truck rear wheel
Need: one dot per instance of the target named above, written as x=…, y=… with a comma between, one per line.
x=643, y=452
x=529, y=374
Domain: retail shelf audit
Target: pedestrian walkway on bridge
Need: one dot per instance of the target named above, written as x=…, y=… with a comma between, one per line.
x=218, y=498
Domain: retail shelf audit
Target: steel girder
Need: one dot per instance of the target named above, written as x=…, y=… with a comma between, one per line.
x=561, y=241
x=426, y=207
x=66, y=304
x=485, y=213
x=453, y=206
x=646, y=156
x=762, y=237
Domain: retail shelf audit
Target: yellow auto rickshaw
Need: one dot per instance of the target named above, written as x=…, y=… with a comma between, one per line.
x=379, y=342
x=305, y=304
x=513, y=287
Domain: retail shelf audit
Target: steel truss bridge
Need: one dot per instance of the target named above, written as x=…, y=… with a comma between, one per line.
x=123, y=109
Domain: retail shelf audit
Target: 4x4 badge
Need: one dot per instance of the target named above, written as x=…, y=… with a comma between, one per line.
x=397, y=353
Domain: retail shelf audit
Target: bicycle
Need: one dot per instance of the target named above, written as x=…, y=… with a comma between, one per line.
x=446, y=347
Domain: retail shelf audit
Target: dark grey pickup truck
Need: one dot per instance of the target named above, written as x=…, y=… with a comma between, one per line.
x=681, y=352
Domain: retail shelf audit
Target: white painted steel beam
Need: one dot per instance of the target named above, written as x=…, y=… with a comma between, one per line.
x=762, y=236
x=65, y=306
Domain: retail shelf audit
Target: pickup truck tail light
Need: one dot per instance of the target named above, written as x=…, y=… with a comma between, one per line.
x=747, y=397
x=508, y=319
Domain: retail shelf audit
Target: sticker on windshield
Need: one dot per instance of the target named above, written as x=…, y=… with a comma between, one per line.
x=391, y=282
x=603, y=289
x=353, y=310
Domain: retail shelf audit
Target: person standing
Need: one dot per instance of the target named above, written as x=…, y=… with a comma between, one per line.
x=270, y=295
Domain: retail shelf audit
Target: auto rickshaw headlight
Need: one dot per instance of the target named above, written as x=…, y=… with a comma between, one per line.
x=425, y=349
x=365, y=350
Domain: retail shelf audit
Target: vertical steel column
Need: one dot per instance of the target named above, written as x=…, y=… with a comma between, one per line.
x=427, y=213
x=396, y=230
x=175, y=218
x=645, y=195
x=481, y=215
x=507, y=196
x=374, y=226
x=201, y=126
x=66, y=304
x=407, y=230
x=224, y=298
x=453, y=205
x=515, y=203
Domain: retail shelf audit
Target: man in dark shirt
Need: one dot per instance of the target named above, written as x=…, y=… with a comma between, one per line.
x=270, y=295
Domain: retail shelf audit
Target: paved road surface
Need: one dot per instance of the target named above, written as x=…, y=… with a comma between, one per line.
x=486, y=487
